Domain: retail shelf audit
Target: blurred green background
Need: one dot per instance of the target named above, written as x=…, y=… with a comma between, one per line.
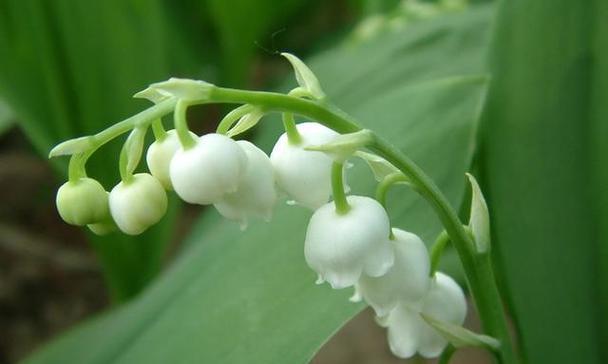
x=69, y=68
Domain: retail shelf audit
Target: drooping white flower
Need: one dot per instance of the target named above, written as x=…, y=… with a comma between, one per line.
x=138, y=204
x=256, y=193
x=341, y=247
x=206, y=172
x=159, y=157
x=304, y=175
x=408, y=279
x=408, y=333
x=82, y=202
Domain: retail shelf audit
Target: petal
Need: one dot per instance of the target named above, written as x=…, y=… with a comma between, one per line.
x=403, y=331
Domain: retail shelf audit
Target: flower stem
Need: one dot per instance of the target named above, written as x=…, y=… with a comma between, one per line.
x=158, y=130
x=437, y=250
x=289, y=123
x=181, y=125
x=385, y=185
x=337, y=188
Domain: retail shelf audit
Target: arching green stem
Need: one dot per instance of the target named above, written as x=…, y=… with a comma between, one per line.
x=385, y=185
x=337, y=188
x=158, y=130
x=289, y=123
x=181, y=125
x=437, y=250
x=477, y=265
x=76, y=168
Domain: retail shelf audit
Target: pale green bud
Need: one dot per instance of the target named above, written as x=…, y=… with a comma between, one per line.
x=82, y=202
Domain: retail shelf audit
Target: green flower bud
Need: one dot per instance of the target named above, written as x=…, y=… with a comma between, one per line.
x=82, y=202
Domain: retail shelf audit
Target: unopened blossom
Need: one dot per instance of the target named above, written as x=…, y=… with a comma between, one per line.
x=82, y=201
x=256, y=193
x=340, y=247
x=138, y=203
x=159, y=157
x=408, y=279
x=409, y=334
x=206, y=172
x=305, y=176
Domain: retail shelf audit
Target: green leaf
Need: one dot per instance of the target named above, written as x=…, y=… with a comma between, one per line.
x=345, y=145
x=380, y=167
x=234, y=297
x=246, y=122
x=67, y=71
x=7, y=119
x=479, y=218
x=460, y=337
x=537, y=168
x=305, y=77
x=241, y=24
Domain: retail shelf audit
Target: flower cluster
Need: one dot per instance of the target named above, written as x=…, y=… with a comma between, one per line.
x=349, y=240
x=391, y=272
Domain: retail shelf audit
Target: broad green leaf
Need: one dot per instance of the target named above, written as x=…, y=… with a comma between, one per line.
x=67, y=68
x=599, y=161
x=248, y=297
x=240, y=24
x=538, y=173
x=7, y=118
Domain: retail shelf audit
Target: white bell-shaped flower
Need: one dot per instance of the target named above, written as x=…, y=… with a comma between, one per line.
x=138, y=204
x=82, y=202
x=159, y=157
x=409, y=334
x=256, y=193
x=340, y=247
x=408, y=279
x=304, y=175
x=206, y=172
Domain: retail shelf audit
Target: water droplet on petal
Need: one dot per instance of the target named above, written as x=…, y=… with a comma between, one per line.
x=291, y=202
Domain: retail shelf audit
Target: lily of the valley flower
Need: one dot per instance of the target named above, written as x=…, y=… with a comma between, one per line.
x=409, y=334
x=407, y=281
x=138, y=204
x=83, y=201
x=256, y=193
x=304, y=175
x=340, y=247
x=205, y=173
x=159, y=157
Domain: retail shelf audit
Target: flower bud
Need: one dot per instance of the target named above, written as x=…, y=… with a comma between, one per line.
x=256, y=194
x=304, y=175
x=408, y=333
x=206, y=172
x=82, y=202
x=339, y=247
x=159, y=157
x=408, y=279
x=138, y=204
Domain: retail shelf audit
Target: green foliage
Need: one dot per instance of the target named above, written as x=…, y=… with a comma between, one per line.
x=236, y=297
x=545, y=122
x=6, y=117
x=71, y=69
